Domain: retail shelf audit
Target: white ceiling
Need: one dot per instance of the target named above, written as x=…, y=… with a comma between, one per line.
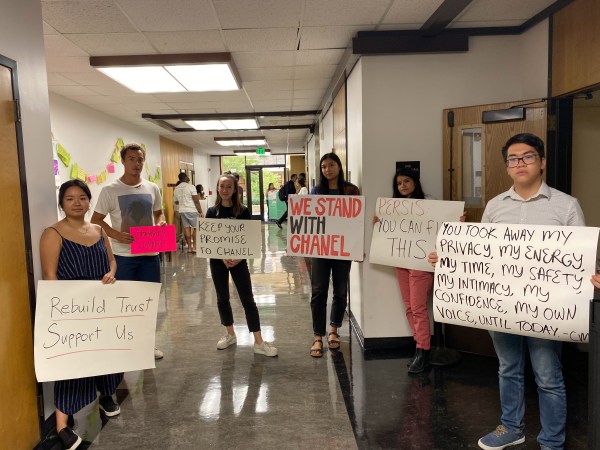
x=287, y=51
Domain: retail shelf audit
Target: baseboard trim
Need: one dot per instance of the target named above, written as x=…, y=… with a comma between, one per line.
x=400, y=344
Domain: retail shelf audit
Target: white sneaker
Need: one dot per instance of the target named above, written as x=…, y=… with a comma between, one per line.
x=266, y=348
x=226, y=341
x=158, y=354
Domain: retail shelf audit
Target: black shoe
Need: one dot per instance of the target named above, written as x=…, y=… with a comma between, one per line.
x=421, y=361
x=69, y=439
x=108, y=406
x=411, y=360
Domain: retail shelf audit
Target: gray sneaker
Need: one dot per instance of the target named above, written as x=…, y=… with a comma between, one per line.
x=266, y=348
x=226, y=341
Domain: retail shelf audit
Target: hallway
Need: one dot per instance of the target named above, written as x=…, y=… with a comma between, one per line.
x=199, y=397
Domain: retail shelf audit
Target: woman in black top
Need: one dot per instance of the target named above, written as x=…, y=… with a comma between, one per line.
x=228, y=206
x=332, y=182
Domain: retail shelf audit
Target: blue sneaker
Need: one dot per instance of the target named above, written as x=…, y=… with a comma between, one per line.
x=501, y=438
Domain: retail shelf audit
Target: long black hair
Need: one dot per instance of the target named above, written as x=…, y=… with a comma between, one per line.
x=323, y=187
x=413, y=175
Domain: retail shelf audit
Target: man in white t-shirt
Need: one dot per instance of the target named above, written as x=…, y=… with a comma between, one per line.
x=131, y=201
x=188, y=203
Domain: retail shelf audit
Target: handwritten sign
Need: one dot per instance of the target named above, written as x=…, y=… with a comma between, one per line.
x=228, y=239
x=326, y=226
x=153, y=239
x=407, y=228
x=86, y=328
x=532, y=280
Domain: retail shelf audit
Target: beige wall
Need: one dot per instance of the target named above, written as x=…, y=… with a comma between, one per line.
x=586, y=161
x=297, y=164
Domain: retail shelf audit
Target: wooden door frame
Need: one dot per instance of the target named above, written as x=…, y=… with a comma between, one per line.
x=12, y=66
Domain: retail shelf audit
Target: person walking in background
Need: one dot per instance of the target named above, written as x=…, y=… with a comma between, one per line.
x=228, y=206
x=331, y=182
x=286, y=190
x=529, y=201
x=188, y=200
x=270, y=189
x=301, y=188
x=131, y=201
x=73, y=249
x=200, y=192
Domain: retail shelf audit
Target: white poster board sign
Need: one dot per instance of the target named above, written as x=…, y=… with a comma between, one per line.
x=407, y=229
x=86, y=328
x=326, y=226
x=532, y=280
x=228, y=239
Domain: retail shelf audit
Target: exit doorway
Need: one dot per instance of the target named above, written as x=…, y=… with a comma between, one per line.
x=258, y=179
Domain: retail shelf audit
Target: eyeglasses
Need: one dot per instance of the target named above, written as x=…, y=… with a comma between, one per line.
x=527, y=160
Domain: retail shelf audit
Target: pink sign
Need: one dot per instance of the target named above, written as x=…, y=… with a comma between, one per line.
x=110, y=168
x=91, y=178
x=153, y=239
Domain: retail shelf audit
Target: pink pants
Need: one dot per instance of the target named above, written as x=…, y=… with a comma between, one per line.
x=415, y=286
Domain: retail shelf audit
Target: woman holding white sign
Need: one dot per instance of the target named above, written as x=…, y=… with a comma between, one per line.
x=74, y=249
x=332, y=182
x=228, y=205
x=415, y=285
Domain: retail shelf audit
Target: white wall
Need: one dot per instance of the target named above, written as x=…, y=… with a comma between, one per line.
x=354, y=111
x=402, y=101
x=90, y=137
x=311, y=163
x=326, y=134
x=202, y=169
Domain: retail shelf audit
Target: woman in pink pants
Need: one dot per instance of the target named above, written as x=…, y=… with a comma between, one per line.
x=415, y=285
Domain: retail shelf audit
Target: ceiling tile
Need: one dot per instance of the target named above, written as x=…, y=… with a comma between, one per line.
x=270, y=95
x=314, y=71
x=195, y=97
x=272, y=85
x=48, y=29
x=250, y=60
x=69, y=91
x=187, y=41
x=258, y=13
x=344, y=12
x=115, y=89
x=319, y=57
x=68, y=64
x=490, y=11
x=309, y=93
x=312, y=83
x=58, y=45
x=92, y=16
x=56, y=79
x=329, y=37
x=254, y=40
x=272, y=105
x=411, y=11
x=110, y=44
x=272, y=73
x=171, y=15
x=93, y=78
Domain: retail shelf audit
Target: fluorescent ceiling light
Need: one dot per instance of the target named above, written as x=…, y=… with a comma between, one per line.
x=205, y=77
x=204, y=125
x=237, y=124
x=197, y=72
x=143, y=80
x=240, y=142
x=241, y=124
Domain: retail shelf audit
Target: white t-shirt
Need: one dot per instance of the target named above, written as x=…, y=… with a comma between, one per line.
x=128, y=206
x=183, y=194
x=303, y=191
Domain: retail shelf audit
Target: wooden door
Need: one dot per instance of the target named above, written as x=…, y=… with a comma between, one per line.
x=474, y=171
x=19, y=421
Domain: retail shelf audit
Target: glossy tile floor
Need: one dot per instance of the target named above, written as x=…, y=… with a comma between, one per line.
x=199, y=397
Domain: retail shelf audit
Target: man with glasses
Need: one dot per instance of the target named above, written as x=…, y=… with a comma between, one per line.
x=529, y=201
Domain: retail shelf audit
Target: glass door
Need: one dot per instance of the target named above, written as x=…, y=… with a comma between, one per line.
x=254, y=192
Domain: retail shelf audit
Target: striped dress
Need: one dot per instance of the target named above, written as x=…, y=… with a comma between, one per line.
x=80, y=262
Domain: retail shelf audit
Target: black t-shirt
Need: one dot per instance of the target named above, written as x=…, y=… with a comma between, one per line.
x=226, y=212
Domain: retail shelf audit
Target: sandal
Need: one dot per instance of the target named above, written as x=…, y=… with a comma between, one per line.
x=317, y=352
x=333, y=342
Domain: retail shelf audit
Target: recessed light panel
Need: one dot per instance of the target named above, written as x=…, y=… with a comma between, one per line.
x=205, y=125
x=143, y=79
x=204, y=77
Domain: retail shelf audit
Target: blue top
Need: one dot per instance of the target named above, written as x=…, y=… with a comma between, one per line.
x=80, y=262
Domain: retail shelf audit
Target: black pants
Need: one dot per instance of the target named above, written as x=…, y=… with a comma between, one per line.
x=285, y=214
x=241, y=278
x=320, y=272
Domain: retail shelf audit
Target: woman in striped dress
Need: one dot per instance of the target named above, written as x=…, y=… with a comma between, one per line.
x=74, y=249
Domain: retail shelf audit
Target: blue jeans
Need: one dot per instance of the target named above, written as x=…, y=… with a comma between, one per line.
x=545, y=361
x=138, y=268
